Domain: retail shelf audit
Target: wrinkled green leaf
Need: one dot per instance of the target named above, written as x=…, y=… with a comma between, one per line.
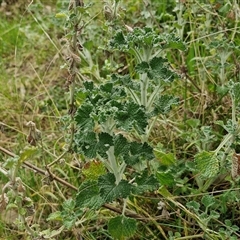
x=193, y=205
x=86, y=143
x=88, y=85
x=142, y=67
x=121, y=146
x=105, y=140
x=208, y=200
x=83, y=118
x=207, y=163
x=132, y=116
x=109, y=190
x=156, y=69
x=139, y=152
x=88, y=195
x=159, y=69
x=90, y=144
x=55, y=216
x=175, y=43
x=164, y=104
x=165, y=178
x=69, y=213
x=121, y=227
x=145, y=183
x=119, y=41
x=165, y=158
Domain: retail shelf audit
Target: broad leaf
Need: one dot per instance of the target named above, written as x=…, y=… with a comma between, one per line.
x=157, y=69
x=132, y=116
x=70, y=213
x=139, y=152
x=88, y=195
x=145, y=183
x=109, y=190
x=164, y=104
x=142, y=67
x=122, y=227
x=83, y=118
x=119, y=42
x=160, y=70
x=121, y=146
x=104, y=142
x=55, y=216
x=125, y=81
x=86, y=143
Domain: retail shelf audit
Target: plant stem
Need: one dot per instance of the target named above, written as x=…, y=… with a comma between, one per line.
x=144, y=88
x=124, y=206
x=113, y=164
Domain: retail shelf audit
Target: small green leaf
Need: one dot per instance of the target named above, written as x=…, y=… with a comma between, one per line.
x=11, y=206
x=124, y=80
x=165, y=178
x=193, y=123
x=165, y=158
x=88, y=85
x=27, y=153
x=207, y=163
x=81, y=97
x=193, y=205
x=214, y=214
x=109, y=190
x=142, y=67
x=11, y=162
x=122, y=227
x=55, y=216
x=175, y=43
x=208, y=200
x=69, y=205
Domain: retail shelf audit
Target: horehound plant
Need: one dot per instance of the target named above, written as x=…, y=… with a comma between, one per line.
x=114, y=121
